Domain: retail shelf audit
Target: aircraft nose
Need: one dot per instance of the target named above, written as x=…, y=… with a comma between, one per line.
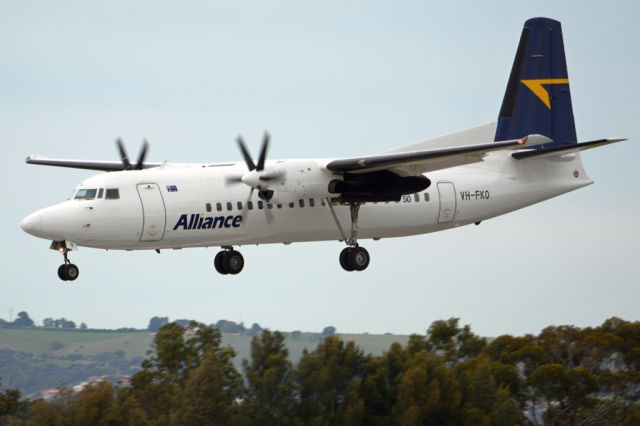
x=32, y=224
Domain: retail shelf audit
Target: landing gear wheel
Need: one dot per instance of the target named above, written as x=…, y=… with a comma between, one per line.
x=233, y=262
x=61, y=272
x=229, y=262
x=217, y=262
x=344, y=254
x=358, y=258
x=68, y=272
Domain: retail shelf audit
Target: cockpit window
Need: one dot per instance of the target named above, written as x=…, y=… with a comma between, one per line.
x=85, y=194
x=112, y=194
x=100, y=192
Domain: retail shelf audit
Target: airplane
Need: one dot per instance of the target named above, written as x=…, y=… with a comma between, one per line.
x=529, y=155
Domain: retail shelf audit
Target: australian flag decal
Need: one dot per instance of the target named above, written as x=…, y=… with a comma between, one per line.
x=172, y=188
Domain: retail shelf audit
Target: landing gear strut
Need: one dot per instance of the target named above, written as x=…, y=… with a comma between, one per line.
x=67, y=271
x=228, y=261
x=353, y=257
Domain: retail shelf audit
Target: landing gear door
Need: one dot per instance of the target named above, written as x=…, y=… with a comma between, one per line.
x=447, y=197
x=154, y=218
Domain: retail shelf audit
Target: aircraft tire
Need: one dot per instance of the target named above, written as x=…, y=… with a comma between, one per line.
x=233, y=262
x=358, y=258
x=344, y=259
x=70, y=272
x=217, y=262
x=61, y=272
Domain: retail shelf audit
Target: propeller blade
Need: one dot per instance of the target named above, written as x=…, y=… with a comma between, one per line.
x=271, y=177
x=268, y=214
x=263, y=152
x=245, y=153
x=245, y=210
x=233, y=179
x=143, y=155
x=123, y=155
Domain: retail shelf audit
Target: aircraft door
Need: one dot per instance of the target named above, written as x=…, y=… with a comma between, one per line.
x=447, y=197
x=154, y=218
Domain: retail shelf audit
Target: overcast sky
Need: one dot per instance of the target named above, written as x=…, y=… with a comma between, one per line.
x=327, y=79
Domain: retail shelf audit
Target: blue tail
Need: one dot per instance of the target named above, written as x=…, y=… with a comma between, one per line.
x=537, y=99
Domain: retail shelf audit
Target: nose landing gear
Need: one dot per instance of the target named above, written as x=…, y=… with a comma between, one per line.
x=67, y=271
x=228, y=261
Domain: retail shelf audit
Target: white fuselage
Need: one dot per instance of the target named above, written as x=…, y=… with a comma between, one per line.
x=188, y=206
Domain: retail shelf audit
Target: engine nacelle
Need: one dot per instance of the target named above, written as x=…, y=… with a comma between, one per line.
x=377, y=186
x=296, y=179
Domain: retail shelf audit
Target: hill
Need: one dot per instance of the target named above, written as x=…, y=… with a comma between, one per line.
x=32, y=359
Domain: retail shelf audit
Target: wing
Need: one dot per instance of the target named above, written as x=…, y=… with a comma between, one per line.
x=417, y=162
x=107, y=166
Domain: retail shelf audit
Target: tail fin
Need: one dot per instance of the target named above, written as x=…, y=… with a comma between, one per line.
x=537, y=99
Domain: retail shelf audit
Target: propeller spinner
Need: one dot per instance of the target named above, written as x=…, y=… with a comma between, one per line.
x=257, y=177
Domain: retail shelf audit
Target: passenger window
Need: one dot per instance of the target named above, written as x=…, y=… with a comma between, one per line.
x=100, y=191
x=312, y=202
x=250, y=205
x=208, y=206
x=219, y=207
x=279, y=206
x=291, y=205
x=86, y=194
x=322, y=201
x=269, y=206
x=229, y=206
x=240, y=205
x=301, y=202
x=426, y=196
x=112, y=194
x=260, y=205
x=416, y=196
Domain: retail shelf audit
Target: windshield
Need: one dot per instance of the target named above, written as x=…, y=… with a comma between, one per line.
x=85, y=194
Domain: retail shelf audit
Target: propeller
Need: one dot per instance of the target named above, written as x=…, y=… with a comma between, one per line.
x=256, y=175
x=126, y=164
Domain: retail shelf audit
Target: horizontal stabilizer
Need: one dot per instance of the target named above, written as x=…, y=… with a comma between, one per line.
x=563, y=149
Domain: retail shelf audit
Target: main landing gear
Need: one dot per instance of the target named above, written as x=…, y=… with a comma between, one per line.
x=228, y=261
x=67, y=271
x=353, y=257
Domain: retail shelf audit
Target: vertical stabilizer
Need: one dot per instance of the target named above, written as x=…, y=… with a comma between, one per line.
x=538, y=99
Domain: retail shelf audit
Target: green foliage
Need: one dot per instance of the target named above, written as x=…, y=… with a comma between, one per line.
x=565, y=376
x=269, y=377
x=329, y=381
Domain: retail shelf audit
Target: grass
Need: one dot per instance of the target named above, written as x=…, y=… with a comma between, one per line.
x=91, y=342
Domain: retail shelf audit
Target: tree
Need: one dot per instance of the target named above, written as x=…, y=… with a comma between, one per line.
x=83, y=326
x=254, y=330
x=329, y=383
x=95, y=405
x=48, y=323
x=428, y=392
x=328, y=331
x=156, y=322
x=23, y=320
x=455, y=343
x=208, y=397
x=165, y=382
x=9, y=401
x=269, y=394
x=230, y=327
